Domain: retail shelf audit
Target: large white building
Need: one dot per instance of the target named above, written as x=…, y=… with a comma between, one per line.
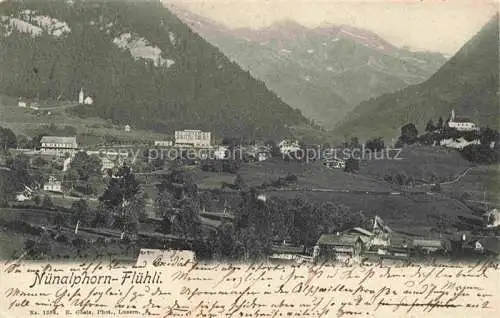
x=58, y=145
x=193, y=138
x=461, y=124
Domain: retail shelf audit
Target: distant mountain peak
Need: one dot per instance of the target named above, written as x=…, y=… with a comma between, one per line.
x=287, y=24
x=359, y=35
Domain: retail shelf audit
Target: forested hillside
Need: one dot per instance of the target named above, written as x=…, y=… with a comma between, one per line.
x=140, y=64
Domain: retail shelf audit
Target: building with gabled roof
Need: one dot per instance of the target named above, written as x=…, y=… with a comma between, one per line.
x=461, y=123
x=340, y=246
x=58, y=145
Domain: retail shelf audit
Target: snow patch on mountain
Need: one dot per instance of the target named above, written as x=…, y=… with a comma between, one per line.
x=140, y=48
x=30, y=23
x=353, y=35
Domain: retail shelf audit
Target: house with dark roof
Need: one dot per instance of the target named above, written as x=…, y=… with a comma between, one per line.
x=339, y=246
x=429, y=246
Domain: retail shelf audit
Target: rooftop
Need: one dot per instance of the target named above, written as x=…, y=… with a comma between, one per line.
x=58, y=140
x=341, y=239
x=462, y=120
x=428, y=243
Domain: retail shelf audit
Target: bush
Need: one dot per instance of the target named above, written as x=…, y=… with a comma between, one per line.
x=47, y=202
x=37, y=200
x=79, y=242
x=436, y=188
x=375, y=144
x=481, y=154
x=351, y=165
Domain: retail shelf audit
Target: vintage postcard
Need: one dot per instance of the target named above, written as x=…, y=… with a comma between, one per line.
x=249, y=158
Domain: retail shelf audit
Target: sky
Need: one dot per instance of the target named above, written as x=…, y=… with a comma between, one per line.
x=435, y=25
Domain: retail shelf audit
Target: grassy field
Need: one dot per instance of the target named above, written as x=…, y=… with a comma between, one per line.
x=432, y=164
x=482, y=182
x=310, y=175
x=409, y=213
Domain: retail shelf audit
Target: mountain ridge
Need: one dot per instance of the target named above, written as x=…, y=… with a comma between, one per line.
x=323, y=71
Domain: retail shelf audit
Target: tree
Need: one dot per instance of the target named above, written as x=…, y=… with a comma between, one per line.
x=81, y=212
x=351, y=165
x=23, y=142
x=253, y=229
x=274, y=149
x=187, y=221
x=482, y=154
x=180, y=183
x=488, y=135
x=121, y=189
x=37, y=200
x=125, y=199
x=375, y=144
x=70, y=179
x=38, y=162
x=19, y=166
x=47, y=202
x=430, y=126
x=7, y=139
x=440, y=124
x=86, y=165
x=354, y=143
x=409, y=134
x=436, y=188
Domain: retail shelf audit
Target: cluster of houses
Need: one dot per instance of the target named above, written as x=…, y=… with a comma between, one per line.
x=25, y=103
x=65, y=148
x=383, y=243
x=83, y=99
x=461, y=124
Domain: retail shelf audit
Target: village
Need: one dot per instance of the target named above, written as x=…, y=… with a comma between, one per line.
x=195, y=149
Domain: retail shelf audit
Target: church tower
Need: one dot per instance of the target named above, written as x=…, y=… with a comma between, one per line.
x=81, y=96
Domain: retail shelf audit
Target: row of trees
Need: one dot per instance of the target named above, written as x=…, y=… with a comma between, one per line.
x=259, y=221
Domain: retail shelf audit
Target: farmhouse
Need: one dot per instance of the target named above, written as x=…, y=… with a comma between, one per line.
x=53, y=185
x=287, y=146
x=35, y=105
x=88, y=100
x=339, y=246
x=21, y=103
x=334, y=163
x=58, y=145
x=163, y=143
x=193, y=138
